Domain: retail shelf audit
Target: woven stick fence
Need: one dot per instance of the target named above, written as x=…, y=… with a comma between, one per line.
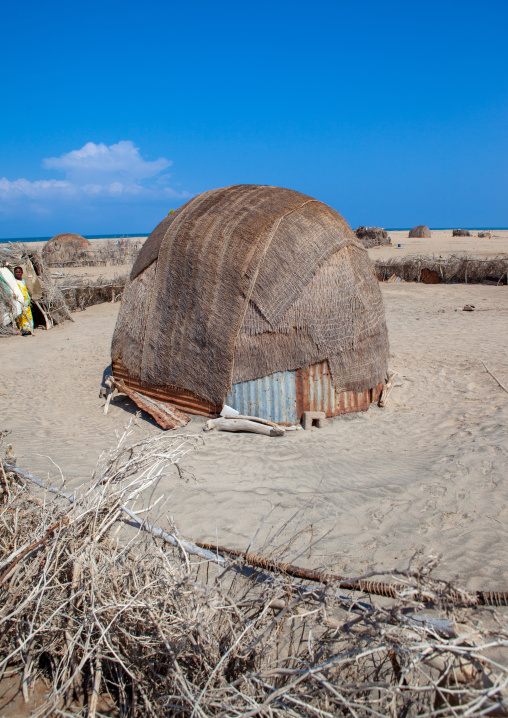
x=140, y=627
x=80, y=292
x=458, y=268
x=114, y=252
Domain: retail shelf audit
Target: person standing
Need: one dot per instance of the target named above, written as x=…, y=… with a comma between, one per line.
x=25, y=320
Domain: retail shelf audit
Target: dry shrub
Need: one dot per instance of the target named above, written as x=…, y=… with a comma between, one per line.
x=372, y=236
x=155, y=631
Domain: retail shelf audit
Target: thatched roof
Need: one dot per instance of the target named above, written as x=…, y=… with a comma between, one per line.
x=47, y=299
x=372, y=236
x=461, y=233
x=421, y=231
x=64, y=247
x=246, y=281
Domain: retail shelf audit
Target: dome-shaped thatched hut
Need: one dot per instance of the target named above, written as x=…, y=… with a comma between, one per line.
x=258, y=296
x=420, y=232
x=65, y=249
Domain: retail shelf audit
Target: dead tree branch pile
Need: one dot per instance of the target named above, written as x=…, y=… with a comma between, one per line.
x=154, y=631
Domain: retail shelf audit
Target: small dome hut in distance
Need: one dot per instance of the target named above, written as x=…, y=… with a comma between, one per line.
x=420, y=232
x=258, y=297
x=64, y=249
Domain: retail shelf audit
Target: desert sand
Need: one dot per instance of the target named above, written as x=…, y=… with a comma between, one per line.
x=443, y=244
x=426, y=475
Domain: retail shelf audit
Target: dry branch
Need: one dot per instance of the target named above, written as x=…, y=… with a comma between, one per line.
x=494, y=376
x=160, y=633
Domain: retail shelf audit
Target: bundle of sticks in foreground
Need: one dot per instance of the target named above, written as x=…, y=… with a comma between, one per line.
x=125, y=623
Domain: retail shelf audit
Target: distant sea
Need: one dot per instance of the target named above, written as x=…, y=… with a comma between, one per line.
x=442, y=229
x=86, y=236
x=145, y=234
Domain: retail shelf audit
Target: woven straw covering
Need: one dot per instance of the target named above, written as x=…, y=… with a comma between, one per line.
x=420, y=232
x=64, y=247
x=245, y=281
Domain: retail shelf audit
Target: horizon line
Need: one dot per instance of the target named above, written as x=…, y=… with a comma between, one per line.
x=146, y=234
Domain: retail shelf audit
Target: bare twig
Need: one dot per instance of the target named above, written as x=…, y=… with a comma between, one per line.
x=493, y=376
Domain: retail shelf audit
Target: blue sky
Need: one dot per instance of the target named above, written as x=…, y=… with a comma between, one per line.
x=112, y=113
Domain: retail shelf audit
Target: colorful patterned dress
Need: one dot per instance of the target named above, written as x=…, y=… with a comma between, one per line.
x=25, y=320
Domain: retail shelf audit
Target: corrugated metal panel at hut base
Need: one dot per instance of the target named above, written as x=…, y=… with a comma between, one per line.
x=284, y=396
x=258, y=297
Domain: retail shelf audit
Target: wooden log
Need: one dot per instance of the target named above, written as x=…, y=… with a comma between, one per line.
x=49, y=322
x=255, y=427
x=383, y=399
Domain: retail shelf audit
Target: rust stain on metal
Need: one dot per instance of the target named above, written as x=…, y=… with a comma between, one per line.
x=180, y=398
x=315, y=392
x=166, y=415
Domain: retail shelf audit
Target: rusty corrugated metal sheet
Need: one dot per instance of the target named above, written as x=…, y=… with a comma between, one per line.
x=271, y=397
x=166, y=415
x=284, y=396
x=182, y=399
x=281, y=397
x=315, y=392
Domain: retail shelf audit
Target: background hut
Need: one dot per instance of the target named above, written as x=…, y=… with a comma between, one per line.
x=65, y=249
x=256, y=296
x=461, y=233
x=48, y=303
x=372, y=236
x=420, y=232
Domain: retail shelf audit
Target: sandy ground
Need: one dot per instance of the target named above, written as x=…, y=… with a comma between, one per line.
x=426, y=474
x=443, y=244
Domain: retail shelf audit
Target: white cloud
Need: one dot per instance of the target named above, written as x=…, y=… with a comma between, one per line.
x=94, y=172
x=122, y=160
x=35, y=190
